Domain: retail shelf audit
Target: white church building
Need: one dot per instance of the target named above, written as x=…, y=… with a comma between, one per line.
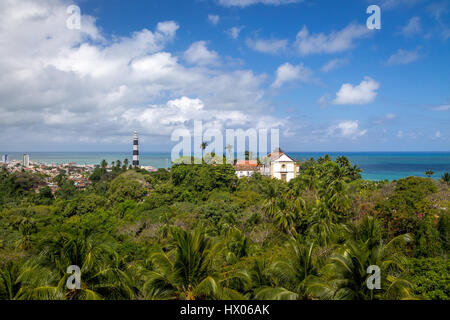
x=276, y=164
x=279, y=165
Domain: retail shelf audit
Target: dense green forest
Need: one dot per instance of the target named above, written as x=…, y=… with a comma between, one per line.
x=198, y=232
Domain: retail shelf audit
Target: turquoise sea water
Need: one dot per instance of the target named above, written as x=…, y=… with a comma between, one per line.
x=375, y=165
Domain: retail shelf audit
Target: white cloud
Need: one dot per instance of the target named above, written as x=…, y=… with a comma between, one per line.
x=390, y=116
x=245, y=3
x=403, y=57
x=363, y=93
x=234, y=32
x=323, y=101
x=440, y=12
x=393, y=4
x=346, y=129
x=385, y=118
x=336, y=41
x=271, y=46
x=437, y=134
x=444, y=107
x=413, y=27
x=168, y=28
x=411, y=134
x=288, y=73
x=214, y=19
x=198, y=53
x=179, y=113
x=79, y=86
x=334, y=64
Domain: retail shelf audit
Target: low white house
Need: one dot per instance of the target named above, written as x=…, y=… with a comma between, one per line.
x=245, y=168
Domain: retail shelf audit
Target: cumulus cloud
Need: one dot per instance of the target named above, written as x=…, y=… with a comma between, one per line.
x=246, y=3
x=61, y=85
x=168, y=28
x=198, y=53
x=234, y=32
x=288, y=73
x=178, y=113
x=336, y=41
x=363, y=93
x=403, y=57
x=213, y=18
x=347, y=129
x=271, y=46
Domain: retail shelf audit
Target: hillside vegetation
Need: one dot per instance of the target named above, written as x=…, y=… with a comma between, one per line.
x=198, y=232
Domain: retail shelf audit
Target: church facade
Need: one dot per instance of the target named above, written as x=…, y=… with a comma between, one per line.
x=276, y=164
x=279, y=165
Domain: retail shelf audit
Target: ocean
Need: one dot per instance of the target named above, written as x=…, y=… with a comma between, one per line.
x=375, y=165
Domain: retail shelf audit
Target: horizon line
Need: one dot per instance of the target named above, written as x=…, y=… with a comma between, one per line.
x=285, y=151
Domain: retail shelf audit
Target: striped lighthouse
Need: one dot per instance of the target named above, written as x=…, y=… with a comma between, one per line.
x=135, y=150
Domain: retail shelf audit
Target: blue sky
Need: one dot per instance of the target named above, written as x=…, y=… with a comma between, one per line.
x=310, y=68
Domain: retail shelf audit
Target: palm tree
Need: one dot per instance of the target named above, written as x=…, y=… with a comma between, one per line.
x=272, y=191
x=345, y=276
x=229, y=148
x=343, y=161
x=238, y=245
x=286, y=213
x=118, y=279
x=446, y=178
x=103, y=164
x=203, y=146
x=334, y=190
x=125, y=164
x=352, y=172
x=27, y=227
x=186, y=273
x=322, y=226
x=429, y=173
x=324, y=159
x=293, y=273
x=26, y=281
x=82, y=249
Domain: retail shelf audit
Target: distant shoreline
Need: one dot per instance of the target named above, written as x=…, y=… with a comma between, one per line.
x=376, y=165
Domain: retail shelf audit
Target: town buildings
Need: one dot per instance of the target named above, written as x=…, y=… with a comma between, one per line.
x=26, y=160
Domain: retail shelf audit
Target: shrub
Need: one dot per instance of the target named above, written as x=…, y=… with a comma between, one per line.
x=430, y=277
